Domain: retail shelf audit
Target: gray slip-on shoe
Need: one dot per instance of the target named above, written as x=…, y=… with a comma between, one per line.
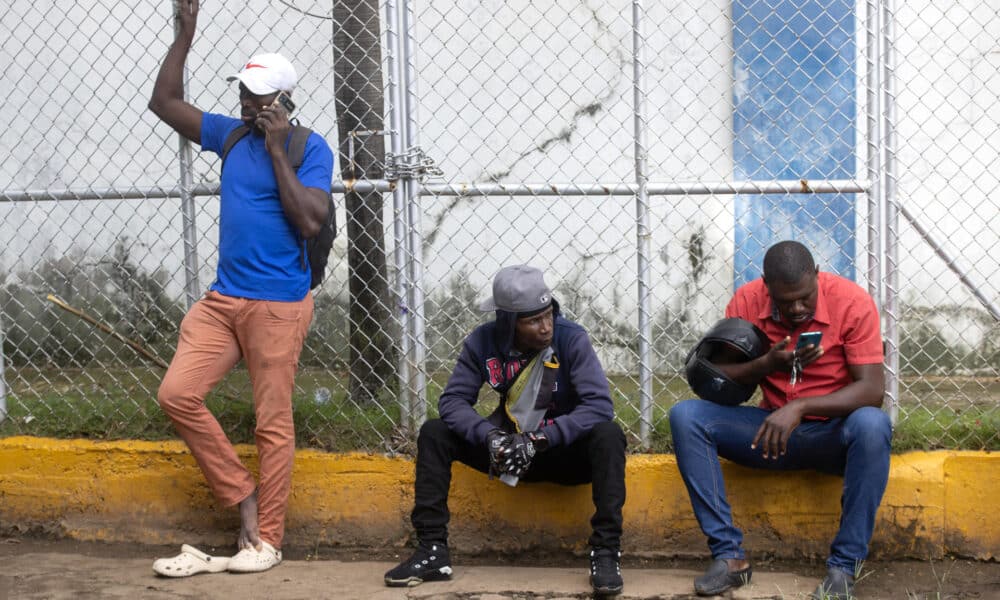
x=837, y=585
x=718, y=578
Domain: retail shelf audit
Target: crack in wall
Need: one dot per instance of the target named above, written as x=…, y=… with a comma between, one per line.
x=604, y=40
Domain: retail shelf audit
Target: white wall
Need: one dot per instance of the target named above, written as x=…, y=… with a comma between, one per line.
x=498, y=81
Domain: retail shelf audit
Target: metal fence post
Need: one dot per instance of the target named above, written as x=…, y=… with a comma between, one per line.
x=415, y=241
x=399, y=219
x=873, y=76
x=642, y=224
x=3, y=376
x=191, y=286
x=892, y=209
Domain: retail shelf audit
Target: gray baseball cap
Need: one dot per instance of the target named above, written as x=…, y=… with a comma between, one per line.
x=518, y=289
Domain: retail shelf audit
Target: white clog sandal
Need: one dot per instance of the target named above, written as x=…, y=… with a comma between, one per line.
x=190, y=561
x=249, y=560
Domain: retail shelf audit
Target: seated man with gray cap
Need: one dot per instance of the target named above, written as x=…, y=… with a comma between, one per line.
x=554, y=423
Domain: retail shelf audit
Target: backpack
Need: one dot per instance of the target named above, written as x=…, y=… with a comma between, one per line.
x=317, y=249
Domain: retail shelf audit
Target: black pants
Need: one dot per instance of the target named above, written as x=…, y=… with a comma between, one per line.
x=597, y=457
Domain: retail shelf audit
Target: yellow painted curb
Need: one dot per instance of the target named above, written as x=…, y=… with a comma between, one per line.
x=152, y=492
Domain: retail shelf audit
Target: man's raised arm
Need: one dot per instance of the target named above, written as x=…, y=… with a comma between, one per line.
x=168, y=101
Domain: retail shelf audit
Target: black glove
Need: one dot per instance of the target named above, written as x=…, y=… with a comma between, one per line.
x=539, y=441
x=496, y=441
x=521, y=450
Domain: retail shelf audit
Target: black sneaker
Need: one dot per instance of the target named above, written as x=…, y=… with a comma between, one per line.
x=837, y=585
x=428, y=563
x=718, y=578
x=606, y=571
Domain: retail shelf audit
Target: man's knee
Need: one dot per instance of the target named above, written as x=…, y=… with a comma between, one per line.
x=433, y=427
x=433, y=430
x=608, y=434
x=169, y=396
x=277, y=425
x=684, y=414
x=870, y=426
x=438, y=446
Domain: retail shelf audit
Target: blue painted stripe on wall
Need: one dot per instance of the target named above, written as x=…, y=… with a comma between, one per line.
x=794, y=117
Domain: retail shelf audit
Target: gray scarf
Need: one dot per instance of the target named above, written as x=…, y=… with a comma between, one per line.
x=532, y=393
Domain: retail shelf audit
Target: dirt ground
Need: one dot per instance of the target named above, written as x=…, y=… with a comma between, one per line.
x=36, y=568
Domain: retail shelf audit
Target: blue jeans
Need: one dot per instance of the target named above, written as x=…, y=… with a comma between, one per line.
x=856, y=447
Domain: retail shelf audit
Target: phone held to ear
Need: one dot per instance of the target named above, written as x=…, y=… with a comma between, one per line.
x=285, y=101
x=807, y=338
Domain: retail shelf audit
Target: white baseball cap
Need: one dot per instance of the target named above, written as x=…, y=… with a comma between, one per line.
x=267, y=73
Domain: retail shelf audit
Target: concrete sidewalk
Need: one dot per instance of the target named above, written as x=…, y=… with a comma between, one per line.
x=35, y=569
x=66, y=576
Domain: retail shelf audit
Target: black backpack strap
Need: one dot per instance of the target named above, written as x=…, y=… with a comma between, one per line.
x=234, y=136
x=296, y=153
x=297, y=145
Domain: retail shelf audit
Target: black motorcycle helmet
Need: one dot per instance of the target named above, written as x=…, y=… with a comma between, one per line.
x=707, y=381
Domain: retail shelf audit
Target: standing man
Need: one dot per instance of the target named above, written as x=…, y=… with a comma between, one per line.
x=820, y=410
x=554, y=423
x=259, y=307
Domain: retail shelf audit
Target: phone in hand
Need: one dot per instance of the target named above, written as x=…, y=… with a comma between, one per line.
x=284, y=101
x=808, y=337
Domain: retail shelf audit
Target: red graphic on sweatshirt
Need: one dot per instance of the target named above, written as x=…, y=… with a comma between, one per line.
x=500, y=373
x=513, y=368
x=494, y=368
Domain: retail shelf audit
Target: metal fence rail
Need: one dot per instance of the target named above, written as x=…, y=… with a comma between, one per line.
x=644, y=154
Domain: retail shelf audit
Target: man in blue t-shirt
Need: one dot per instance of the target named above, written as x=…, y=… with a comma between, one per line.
x=259, y=307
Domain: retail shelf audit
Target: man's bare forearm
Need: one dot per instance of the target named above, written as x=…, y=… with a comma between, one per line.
x=167, y=101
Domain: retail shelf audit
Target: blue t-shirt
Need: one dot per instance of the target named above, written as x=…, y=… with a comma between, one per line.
x=260, y=251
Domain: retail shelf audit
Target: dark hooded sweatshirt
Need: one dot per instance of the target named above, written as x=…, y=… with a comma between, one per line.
x=580, y=398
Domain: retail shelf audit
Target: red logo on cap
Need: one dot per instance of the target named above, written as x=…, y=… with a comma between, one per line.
x=252, y=65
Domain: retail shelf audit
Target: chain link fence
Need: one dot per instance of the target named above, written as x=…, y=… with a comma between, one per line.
x=644, y=154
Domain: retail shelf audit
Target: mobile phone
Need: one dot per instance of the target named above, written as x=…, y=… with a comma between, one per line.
x=809, y=337
x=285, y=101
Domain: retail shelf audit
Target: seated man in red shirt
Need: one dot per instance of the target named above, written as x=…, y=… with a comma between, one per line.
x=820, y=410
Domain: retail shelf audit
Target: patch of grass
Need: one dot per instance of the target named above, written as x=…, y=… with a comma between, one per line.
x=110, y=404
x=66, y=404
x=627, y=398
x=975, y=428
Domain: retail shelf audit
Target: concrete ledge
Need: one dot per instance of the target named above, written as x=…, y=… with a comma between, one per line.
x=937, y=503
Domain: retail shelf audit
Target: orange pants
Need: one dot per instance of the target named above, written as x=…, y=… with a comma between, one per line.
x=215, y=334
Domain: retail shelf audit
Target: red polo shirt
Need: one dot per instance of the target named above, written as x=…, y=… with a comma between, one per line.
x=846, y=315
